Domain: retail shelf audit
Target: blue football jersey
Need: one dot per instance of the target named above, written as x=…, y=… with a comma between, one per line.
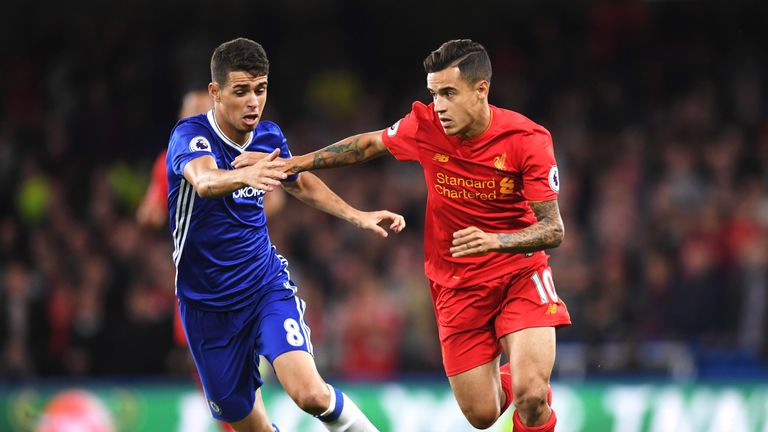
x=222, y=251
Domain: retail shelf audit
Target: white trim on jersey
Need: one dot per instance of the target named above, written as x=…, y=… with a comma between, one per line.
x=186, y=225
x=220, y=133
x=175, y=241
x=301, y=306
x=176, y=228
x=184, y=206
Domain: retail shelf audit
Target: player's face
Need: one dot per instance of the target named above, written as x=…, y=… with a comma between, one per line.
x=240, y=101
x=459, y=104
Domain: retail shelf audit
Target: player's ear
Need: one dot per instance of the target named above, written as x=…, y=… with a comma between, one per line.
x=482, y=87
x=213, y=90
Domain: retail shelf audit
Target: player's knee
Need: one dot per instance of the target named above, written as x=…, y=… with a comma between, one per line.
x=481, y=417
x=531, y=399
x=312, y=399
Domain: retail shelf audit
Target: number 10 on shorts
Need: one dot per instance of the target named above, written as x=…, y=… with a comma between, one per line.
x=545, y=286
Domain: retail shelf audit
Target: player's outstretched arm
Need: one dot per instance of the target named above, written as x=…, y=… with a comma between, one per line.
x=349, y=151
x=546, y=233
x=210, y=182
x=314, y=192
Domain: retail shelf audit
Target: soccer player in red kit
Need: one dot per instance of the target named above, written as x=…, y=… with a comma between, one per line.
x=491, y=212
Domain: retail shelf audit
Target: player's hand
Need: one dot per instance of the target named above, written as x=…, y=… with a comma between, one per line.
x=473, y=241
x=291, y=166
x=150, y=215
x=266, y=173
x=249, y=158
x=371, y=221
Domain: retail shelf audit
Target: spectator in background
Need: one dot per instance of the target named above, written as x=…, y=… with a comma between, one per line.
x=371, y=330
x=21, y=322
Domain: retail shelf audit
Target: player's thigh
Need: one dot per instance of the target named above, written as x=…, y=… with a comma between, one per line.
x=298, y=374
x=257, y=420
x=478, y=390
x=285, y=341
x=531, y=354
x=259, y=408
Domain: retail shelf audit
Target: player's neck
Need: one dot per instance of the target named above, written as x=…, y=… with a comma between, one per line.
x=233, y=134
x=481, y=124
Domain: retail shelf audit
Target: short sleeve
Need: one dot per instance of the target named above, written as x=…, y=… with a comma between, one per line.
x=188, y=143
x=400, y=138
x=541, y=180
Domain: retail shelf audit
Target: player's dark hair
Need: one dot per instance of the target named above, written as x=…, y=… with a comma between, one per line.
x=471, y=58
x=239, y=54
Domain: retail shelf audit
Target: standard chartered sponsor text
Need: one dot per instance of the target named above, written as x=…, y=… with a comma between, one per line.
x=456, y=187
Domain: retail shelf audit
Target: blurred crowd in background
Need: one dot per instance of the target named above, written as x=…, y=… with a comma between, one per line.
x=659, y=114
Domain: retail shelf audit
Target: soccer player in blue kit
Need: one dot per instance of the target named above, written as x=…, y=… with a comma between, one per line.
x=236, y=298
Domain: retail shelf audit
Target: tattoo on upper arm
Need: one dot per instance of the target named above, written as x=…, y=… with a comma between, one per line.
x=546, y=233
x=339, y=154
x=545, y=210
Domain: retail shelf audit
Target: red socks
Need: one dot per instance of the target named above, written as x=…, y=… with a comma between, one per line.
x=519, y=426
x=506, y=386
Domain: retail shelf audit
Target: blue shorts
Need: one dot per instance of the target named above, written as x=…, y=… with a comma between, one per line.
x=226, y=346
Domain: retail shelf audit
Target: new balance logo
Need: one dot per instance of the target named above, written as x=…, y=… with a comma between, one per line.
x=439, y=157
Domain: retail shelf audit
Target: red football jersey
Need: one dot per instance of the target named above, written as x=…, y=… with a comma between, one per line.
x=484, y=182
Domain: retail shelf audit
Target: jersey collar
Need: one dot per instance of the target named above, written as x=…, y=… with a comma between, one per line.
x=220, y=133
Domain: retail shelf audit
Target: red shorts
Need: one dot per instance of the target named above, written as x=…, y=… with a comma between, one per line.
x=470, y=321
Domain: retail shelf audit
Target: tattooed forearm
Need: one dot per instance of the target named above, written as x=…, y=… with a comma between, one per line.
x=349, y=151
x=339, y=154
x=547, y=233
